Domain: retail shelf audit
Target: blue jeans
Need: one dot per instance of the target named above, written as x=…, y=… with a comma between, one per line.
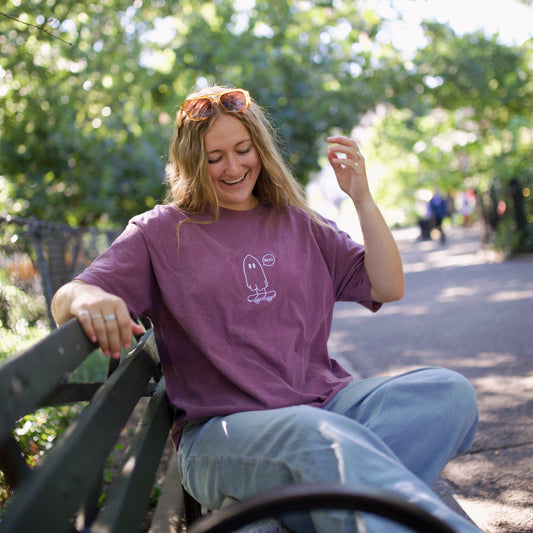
x=394, y=434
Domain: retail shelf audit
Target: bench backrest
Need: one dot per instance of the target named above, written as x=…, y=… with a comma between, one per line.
x=67, y=481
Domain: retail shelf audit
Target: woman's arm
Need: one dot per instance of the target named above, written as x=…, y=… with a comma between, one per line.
x=382, y=258
x=103, y=316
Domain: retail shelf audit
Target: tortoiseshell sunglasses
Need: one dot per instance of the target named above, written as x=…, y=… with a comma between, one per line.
x=201, y=107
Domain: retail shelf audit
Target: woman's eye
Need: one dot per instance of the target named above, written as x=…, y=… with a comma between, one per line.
x=244, y=151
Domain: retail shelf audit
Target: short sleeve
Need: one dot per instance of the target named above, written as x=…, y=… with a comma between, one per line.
x=125, y=269
x=346, y=262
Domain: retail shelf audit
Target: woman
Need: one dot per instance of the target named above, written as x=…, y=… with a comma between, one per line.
x=239, y=278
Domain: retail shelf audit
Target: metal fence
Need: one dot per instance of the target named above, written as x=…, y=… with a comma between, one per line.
x=41, y=256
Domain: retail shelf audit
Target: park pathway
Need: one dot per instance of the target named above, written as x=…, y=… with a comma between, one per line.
x=466, y=310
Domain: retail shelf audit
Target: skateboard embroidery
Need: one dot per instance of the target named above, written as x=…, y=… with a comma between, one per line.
x=255, y=278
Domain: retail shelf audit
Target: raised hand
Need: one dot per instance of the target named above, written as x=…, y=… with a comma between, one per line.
x=349, y=166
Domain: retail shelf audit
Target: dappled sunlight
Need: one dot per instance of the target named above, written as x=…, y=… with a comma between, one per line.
x=484, y=514
x=476, y=475
x=484, y=360
x=463, y=248
x=356, y=311
x=454, y=294
x=503, y=391
x=444, y=259
x=497, y=383
x=510, y=296
x=481, y=360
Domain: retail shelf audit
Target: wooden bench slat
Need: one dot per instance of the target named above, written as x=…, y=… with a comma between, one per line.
x=12, y=462
x=65, y=393
x=129, y=496
x=27, y=379
x=67, y=474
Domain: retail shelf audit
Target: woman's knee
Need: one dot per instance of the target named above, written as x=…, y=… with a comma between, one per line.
x=455, y=390
x=448, y=400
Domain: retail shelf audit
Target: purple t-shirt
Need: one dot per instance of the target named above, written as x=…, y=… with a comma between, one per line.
x=241, y=307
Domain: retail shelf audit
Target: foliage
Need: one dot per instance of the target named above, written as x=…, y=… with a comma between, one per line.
x=22, y=336
x=470, y=125
x=18, y=309
x=36, y=433
x=76, y=143
x=90, y=90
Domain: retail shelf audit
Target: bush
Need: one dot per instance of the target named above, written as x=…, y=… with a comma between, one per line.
x=23, y=317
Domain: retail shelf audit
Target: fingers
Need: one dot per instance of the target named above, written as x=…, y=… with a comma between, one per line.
x=87, y=324
x=110, y=325
x=349, y=166
x=349, y=148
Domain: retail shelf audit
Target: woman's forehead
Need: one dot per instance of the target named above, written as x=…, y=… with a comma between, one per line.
x=225, y=132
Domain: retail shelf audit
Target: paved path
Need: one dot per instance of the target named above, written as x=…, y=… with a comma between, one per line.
x=467, y=311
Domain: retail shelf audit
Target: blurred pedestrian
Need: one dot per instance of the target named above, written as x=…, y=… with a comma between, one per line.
x=438, y=210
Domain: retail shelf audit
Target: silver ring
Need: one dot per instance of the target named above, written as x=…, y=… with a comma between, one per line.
x=110, y=318
x=96, y=315
x=83, y=313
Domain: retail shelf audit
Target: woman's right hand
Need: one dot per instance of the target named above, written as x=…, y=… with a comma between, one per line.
x=104, y=317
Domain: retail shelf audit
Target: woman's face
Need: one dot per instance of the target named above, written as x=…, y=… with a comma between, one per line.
x=234, y=163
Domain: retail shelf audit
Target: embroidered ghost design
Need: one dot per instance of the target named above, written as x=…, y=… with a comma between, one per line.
x=256, y=280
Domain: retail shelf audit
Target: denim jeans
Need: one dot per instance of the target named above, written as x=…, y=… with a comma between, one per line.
x=394, y=434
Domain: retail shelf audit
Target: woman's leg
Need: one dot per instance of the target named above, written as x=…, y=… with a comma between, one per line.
x=242, y=454
x=426, y=417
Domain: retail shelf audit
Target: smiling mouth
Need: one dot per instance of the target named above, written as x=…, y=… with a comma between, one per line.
x=235, y=182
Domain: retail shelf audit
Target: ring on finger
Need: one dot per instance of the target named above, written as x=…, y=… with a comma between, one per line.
x=83, y=313
x=110, y=318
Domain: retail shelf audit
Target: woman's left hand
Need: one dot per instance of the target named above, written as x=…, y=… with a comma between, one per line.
x=349, y=166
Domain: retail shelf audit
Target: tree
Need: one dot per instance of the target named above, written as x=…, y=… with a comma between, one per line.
x=90, y=90
x=468, y=123
x=77, y=133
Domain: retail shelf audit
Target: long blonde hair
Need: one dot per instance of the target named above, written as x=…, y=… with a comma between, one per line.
x=187, y=175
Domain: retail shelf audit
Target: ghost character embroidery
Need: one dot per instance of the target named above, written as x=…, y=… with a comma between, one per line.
x=256, y=280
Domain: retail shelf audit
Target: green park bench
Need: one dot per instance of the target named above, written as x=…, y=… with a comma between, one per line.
x=62, y=493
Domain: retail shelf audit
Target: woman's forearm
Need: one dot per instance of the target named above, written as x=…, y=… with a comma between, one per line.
x=382, y=257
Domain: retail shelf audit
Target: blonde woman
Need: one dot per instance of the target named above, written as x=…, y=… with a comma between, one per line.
x=239, y=278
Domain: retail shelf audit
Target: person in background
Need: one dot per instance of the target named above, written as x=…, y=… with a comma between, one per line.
x=239, y=278
x=438, y=210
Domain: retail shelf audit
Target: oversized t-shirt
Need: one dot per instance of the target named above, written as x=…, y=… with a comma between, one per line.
x=241, y=307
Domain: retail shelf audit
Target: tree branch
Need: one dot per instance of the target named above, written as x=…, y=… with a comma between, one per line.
x=40, y=28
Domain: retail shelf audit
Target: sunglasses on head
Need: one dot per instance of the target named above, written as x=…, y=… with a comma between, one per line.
x=201, y=107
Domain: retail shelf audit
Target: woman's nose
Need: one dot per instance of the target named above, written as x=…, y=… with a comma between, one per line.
x=233, y=168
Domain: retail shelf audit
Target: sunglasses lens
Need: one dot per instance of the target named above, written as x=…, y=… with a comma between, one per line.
x=199, y=108
x=233, y=100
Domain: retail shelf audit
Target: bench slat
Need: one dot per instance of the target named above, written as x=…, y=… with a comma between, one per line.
x=27, y=379
x=128, y=499
x=63, y=481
